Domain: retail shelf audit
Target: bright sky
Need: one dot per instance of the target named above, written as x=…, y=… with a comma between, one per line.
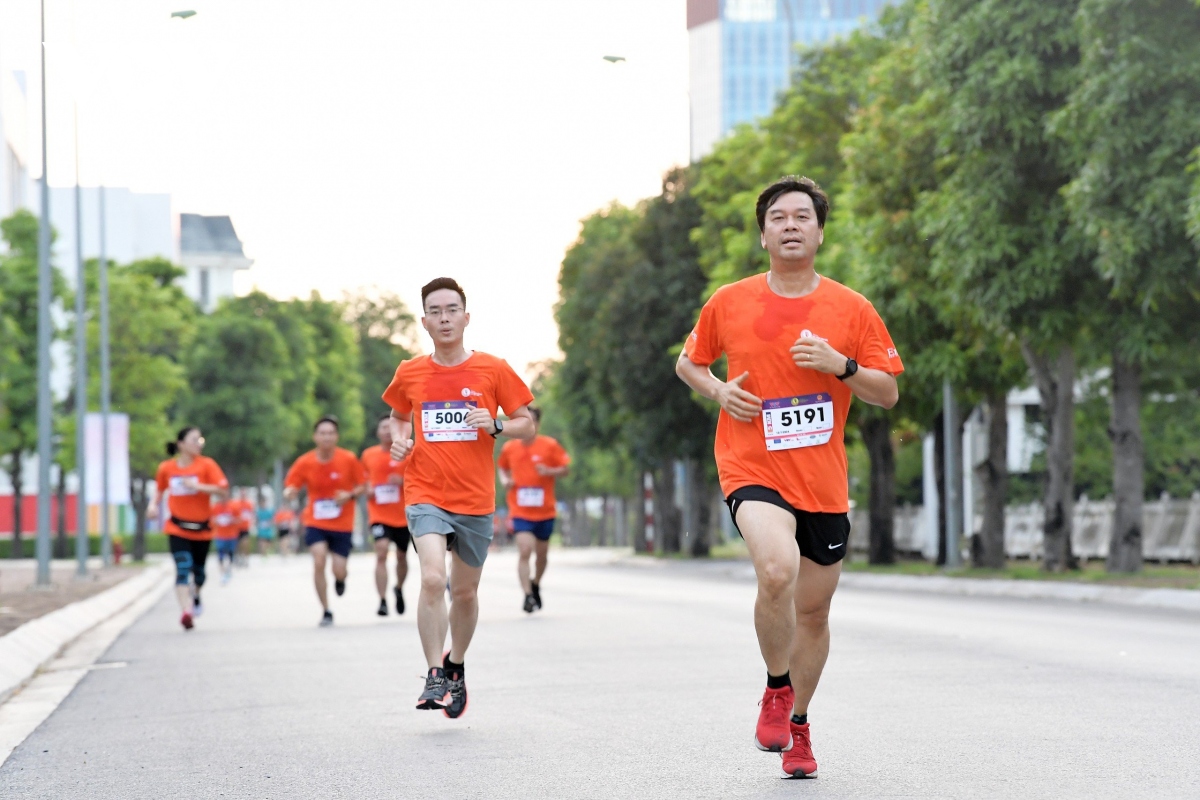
x=375, y=142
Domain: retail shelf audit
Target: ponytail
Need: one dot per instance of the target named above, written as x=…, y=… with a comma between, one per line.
x=173, y=447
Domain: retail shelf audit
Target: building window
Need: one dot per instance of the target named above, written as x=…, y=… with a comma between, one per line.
x=204, y=293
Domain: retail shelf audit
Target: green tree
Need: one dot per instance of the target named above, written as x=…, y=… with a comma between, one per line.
x=19, y=304
x=386, y=333
x=1132, y=120
x=338, y=386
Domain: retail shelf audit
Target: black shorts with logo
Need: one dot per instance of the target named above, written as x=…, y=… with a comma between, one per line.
x=399, y=536
x=822, y=537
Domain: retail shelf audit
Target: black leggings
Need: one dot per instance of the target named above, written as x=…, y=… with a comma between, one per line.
x=189, y=555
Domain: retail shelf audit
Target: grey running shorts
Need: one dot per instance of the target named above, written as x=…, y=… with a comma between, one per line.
x=467, y=535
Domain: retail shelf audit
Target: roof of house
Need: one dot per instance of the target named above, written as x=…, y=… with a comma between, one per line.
x=201, y=234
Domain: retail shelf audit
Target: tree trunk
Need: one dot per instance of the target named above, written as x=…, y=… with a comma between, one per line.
x=939, y=474
x=701, y=513
x=993, y=477
x=139, y=517
x=666, y=515
x=61, y=547
x=1056, y=385
x=15, y=477
x=877, y=437
x=639, y=517
x=1129, y=482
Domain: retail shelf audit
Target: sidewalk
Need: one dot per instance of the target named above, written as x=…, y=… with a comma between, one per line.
x=22, y=601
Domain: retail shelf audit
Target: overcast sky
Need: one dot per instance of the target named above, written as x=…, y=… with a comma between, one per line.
x=374, y=142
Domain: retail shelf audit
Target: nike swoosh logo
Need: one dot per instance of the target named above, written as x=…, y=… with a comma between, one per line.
x=836, y=546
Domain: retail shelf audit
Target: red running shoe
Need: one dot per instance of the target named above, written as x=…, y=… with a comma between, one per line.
x=186, y=621
x=772, y=733
x=799, y=761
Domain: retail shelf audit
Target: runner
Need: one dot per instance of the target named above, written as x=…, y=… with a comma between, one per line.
x=800, y=345
x=333, y=477
x=385, y=512
x=528, y=470
x=190, y=482
x=449, y=488
x=264, y=524
x=285, y=521
x=244, y=509
x=225, y=536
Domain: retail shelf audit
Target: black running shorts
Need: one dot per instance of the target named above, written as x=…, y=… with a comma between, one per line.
x=823, y=538
x=398, y=535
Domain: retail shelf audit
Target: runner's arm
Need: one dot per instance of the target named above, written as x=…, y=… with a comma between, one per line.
x=872, y=386
x=519, y=425
x=734, y=400
x=506, y=478
x=402, y=434
x=553, y=472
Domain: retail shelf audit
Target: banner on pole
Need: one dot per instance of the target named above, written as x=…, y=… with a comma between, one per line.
x=118, y=459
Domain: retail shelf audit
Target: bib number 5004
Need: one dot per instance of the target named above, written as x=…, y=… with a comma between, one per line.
x=446, y=421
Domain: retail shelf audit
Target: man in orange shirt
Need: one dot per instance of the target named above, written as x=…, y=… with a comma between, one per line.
x=528, y=470
x=385, y=512
x=332, y=477
x=225, y=535
x=243, y=509
x=445, y=411
x=801, y=346
x=189, y=481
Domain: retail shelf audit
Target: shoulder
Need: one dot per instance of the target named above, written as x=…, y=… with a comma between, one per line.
x=207, y=463
x=487, y=361
x=412, y=366
x=842, y=294
x=371, y=452
x=304, y=460
x=346, y=455
x=509, y=446
x=165, y=466
x=738, y=290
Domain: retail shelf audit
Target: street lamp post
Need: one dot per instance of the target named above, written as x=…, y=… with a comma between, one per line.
x=105, y=389
x=81, y=538
x=44, y=410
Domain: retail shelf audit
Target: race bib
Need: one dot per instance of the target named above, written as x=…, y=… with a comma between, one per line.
x=387, y=494
x=182, y=485
x=224, y=520
x=445, y=421
x=531, y=497
x=326, y=509
x=791, y=422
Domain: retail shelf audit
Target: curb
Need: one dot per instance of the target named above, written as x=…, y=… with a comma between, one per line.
x=26, y=649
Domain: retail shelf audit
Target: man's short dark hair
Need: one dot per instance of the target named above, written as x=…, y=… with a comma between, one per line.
x=442, y=283
x=536, y=412
x=331, y=419
x=384, y=418
x=786, y=185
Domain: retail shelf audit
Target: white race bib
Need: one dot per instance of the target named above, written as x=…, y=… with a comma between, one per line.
x=387, y=493
x=791, y=422
x=531, y=497
x=182, y=485
x=326, y=509
x=445, y=421
x=224, y=520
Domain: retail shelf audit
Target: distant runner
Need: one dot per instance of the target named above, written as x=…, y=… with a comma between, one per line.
x=285, y=522
x=385, y=513
x=444, y=422
x=528, y=470
x=264, y=524
x=225, y=525
x=799, y=345
x=333, y=477
x=244, y=509
x=190, y=482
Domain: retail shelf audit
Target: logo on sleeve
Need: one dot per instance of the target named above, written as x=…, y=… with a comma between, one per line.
x=892, y=353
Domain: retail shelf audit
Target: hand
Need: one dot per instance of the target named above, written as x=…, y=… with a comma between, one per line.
x=191, y=482
x=396, y=480
x=342, y=497
x=543, y=470
x=401, y=448
x=816, y=354
x=481, y=418
x=736, y=401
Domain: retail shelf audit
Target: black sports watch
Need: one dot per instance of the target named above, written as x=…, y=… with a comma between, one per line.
x=851, y=368
x=499, y=423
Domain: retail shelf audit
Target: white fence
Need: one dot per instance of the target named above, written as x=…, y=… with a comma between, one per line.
x=1170, y=530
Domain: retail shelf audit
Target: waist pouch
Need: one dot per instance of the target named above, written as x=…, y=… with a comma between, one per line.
x=194, y=527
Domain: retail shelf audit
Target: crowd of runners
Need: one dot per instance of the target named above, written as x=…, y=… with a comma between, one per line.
x=799, y=346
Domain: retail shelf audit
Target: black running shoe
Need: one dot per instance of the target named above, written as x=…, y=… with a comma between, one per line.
x=530, y=604
x=327, y=619
x=339, y=587
x=383, y=612
x=399, y=600
x=537, y=593
x=456, y=682
x=437, y=692
x=197, y=609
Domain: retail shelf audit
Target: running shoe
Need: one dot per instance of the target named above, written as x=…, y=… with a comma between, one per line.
x=186, y=621
x=530, y=604
x=799, y=762
x=197, y=609
x=537, y=593
x=437, y=693
x=773, y=733
x=327, y=619
x=399, y=600
x=339, y=587
x=383, y=612
x=456, y=682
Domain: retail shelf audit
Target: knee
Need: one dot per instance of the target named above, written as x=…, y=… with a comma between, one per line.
x=814, y=619
x=776, y=580
x=198, y=571
x=464, y=594
x=183, y=568
x=433, y=581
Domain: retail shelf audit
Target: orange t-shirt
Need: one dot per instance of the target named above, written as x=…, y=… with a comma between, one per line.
x=184, y=502
x=450, y=466
x=531, y=495
x=225, y=520
x=322, y=480
x=284, y=518
x=385, y=501
x=802, y=455
x=244, y=511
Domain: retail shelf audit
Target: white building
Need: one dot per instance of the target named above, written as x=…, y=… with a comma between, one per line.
x=15, y=185
x=210, y=251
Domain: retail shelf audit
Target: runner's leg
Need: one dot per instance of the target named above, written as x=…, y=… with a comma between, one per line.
x=540, y=550
x=401, y=565
x=770, y=534
x=319, y=552
x=464, y=607
x=381, y=554
x=432, y=619
x=810, y=647
x=340, y=565
x=525, y=545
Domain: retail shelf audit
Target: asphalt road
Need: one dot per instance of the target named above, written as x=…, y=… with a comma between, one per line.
x=635, y=682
